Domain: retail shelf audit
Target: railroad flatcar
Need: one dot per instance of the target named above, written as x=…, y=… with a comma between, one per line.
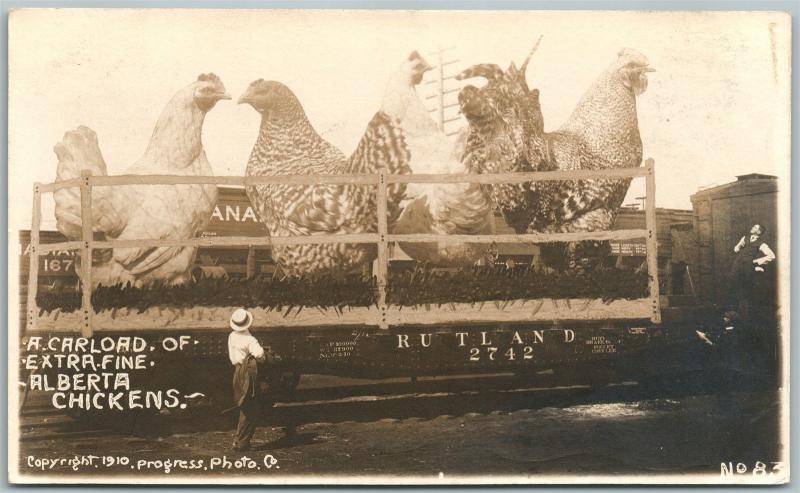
x=595, y=336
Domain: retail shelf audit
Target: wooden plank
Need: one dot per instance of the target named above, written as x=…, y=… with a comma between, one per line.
x=52, y=187
x=86, y=253
x=382, y=267
x=60, y=246
x=235, y=180
x=251, y=263
x=622, y=234
x=651, y=240
x=33, y=269
x=519, y=177
x=357, y=179
x=242, y=241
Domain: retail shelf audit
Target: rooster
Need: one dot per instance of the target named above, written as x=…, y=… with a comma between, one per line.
x=436, y=208
x=507, y=135
x=287, y=144
x=142, y=212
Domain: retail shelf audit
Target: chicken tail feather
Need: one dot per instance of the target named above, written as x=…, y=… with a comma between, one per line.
x=77, y=151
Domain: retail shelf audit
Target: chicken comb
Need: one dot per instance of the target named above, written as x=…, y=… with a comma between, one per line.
x=208, y=77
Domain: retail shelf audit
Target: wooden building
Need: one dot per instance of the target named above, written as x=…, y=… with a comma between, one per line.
x=674, y=273
x=722, y=215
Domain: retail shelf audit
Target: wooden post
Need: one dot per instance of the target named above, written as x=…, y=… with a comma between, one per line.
x=86, y=252
x=652, y=240
x=251, y=262
x=382, y=271
x=33, y=252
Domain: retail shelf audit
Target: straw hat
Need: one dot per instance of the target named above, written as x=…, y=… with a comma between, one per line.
x=241, y=319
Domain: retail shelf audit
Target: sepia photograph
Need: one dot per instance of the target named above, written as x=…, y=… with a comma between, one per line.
x=398, y=247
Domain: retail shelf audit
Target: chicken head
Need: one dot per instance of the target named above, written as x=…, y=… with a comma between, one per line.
x=207, y=91
x=632, y=67
x=506, y=132
x=272, y=99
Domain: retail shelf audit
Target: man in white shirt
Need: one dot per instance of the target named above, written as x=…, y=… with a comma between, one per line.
x=245, y=353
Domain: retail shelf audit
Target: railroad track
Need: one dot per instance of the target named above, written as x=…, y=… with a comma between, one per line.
x=40, y=421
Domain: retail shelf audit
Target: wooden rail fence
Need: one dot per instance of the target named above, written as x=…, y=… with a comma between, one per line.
x=382, y=238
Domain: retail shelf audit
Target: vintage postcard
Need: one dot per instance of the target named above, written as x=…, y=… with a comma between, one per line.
x=398, y=247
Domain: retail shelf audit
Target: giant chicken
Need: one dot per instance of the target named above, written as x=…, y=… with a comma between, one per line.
x=288, y=144
x=507, y=135
x=145, y=212
x=435, y=208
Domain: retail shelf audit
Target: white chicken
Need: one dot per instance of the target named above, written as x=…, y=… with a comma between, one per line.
x=141, y=212
x=457, y=208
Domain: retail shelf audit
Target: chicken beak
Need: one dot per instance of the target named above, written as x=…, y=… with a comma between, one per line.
x=243, y=99
x=649, y=69
x=225, y=95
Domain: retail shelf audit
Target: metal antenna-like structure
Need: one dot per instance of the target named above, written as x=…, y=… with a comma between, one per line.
x=444, y=91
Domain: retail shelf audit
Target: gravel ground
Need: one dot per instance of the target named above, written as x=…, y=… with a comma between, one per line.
x=576, y=433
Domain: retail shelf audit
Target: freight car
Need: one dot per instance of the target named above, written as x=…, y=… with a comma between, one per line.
x=592, y=336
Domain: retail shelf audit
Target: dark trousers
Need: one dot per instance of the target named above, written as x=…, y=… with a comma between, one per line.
x=249, y=413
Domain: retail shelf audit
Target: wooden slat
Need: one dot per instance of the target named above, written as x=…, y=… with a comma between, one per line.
x=235, y=180
x=52, y=187
x=382, y=268
x=33, y=269
x=60, y=246
x=518, y=177
x=251, y=263
x=622, y=234
x=356, y=179
x=652, y=242
x=86, y=253
x=241, y=241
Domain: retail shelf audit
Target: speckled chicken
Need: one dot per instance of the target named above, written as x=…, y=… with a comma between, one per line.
x=142, y=212
x=287, y=144
x=602, y=132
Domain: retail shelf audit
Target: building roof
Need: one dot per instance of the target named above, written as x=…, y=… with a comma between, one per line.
x=755, y=176
x=749, y=184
